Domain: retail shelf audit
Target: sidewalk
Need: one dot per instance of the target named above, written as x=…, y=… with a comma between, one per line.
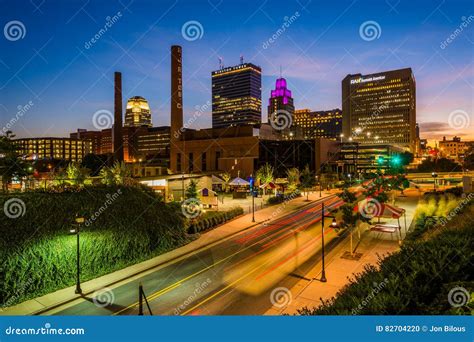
x=212, y=237
x=309, y=291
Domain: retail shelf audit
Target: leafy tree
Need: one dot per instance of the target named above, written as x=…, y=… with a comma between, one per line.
x=107, y=176
x=439, y=165
x=191, y=190
x=76, y=174
x=11, y=165
x=307, y=180
x=265, y=173
x=121, y=172
x=293, y=176
x=226, y=177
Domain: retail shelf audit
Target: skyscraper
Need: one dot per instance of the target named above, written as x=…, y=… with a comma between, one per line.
x=237, y=96
x=380, y=108
x=280, y=101
x=138, y=113
x=318, y=124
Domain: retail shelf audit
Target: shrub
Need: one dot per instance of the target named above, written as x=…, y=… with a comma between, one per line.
x=416, y=279
x=123, y=226
x=211, y=219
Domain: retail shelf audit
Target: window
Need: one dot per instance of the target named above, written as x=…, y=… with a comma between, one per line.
x=203, y=162
x=178, y=162
x=191, y=162
x=218, y=155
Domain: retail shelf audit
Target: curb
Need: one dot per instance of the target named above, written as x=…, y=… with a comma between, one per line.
x=173, y=259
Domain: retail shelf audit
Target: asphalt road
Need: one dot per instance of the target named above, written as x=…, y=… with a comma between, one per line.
x=244, y=275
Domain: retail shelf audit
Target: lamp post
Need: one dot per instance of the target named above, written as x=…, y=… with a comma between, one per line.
x=333, y=225
x=341, y=136
x=434, y=175
x=350, y=179
x=253, y=197
x=76, y=230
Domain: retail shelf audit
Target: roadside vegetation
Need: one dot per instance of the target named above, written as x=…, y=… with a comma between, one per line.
x=123, y=226
x=436, y=258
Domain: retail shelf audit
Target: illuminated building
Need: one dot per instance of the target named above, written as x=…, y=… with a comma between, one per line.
x=354, y=157
x=139, y=143
x=454, y=149
x=319, y=124
x=53, y=148
x=137, y=113
x=237, y=96
x=280, y=101
x=380, y=108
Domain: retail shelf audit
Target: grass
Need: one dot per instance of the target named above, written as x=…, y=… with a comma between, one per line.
x=38, y=255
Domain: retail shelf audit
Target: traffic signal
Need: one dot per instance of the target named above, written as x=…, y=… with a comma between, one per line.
x=380, y=160
x=396, y=160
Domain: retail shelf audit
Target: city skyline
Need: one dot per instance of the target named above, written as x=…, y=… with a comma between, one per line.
x=316, y=50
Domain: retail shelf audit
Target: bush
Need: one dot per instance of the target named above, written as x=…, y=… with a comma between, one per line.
x=415, y=280
x=123, y=226
x=211, y=219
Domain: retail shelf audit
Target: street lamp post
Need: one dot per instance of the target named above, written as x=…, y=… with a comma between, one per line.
x=76, y=230
x=434, y=175
x=341, y=136
x=252, y=192
x=334, y=225
x=350, y=179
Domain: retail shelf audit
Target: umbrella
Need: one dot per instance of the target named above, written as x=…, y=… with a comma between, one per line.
x=239, y=182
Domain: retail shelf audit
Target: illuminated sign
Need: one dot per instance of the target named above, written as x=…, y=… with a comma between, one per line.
x=368, y=79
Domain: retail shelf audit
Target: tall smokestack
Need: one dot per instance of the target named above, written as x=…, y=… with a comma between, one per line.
x=176, y=93
x=117, y=129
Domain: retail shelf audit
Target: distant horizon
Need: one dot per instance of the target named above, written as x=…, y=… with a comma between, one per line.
x=66, y=73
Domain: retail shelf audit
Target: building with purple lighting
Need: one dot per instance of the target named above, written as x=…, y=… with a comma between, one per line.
x=280, y=101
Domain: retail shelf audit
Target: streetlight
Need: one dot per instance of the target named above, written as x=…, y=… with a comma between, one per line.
x=434, y=175
x=253, y=197
x=350, y=179
x=76, y=230
x=333, y=225
x=341, y=136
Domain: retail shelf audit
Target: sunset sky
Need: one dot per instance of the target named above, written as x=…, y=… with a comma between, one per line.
x=67, y=78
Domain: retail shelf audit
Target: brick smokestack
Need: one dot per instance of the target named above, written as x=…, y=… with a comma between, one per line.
x=176, y=93
x=118, y=121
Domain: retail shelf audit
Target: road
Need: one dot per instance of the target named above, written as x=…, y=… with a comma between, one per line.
x=234, y=277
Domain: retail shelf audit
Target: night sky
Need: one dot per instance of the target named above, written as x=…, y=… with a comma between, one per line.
x=53, y=65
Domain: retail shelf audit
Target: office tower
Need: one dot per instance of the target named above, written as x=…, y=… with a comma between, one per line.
x=380, y=108
x=137, y=113
x=237, y=96
x=318, y=124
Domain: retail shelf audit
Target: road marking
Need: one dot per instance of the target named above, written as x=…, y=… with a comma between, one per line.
x=178, y=283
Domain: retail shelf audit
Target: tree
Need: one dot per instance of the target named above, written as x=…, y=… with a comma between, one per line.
x=307, y=180
x=11, y=165
x=191, y=190
x=293, y=176
x=226, y=177
x=121, y=172
x=265, y=173
x=76, y=174
x=107, y=176
x=439, y=165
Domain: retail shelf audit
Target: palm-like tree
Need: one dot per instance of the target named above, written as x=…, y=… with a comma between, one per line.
x=265, y=174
